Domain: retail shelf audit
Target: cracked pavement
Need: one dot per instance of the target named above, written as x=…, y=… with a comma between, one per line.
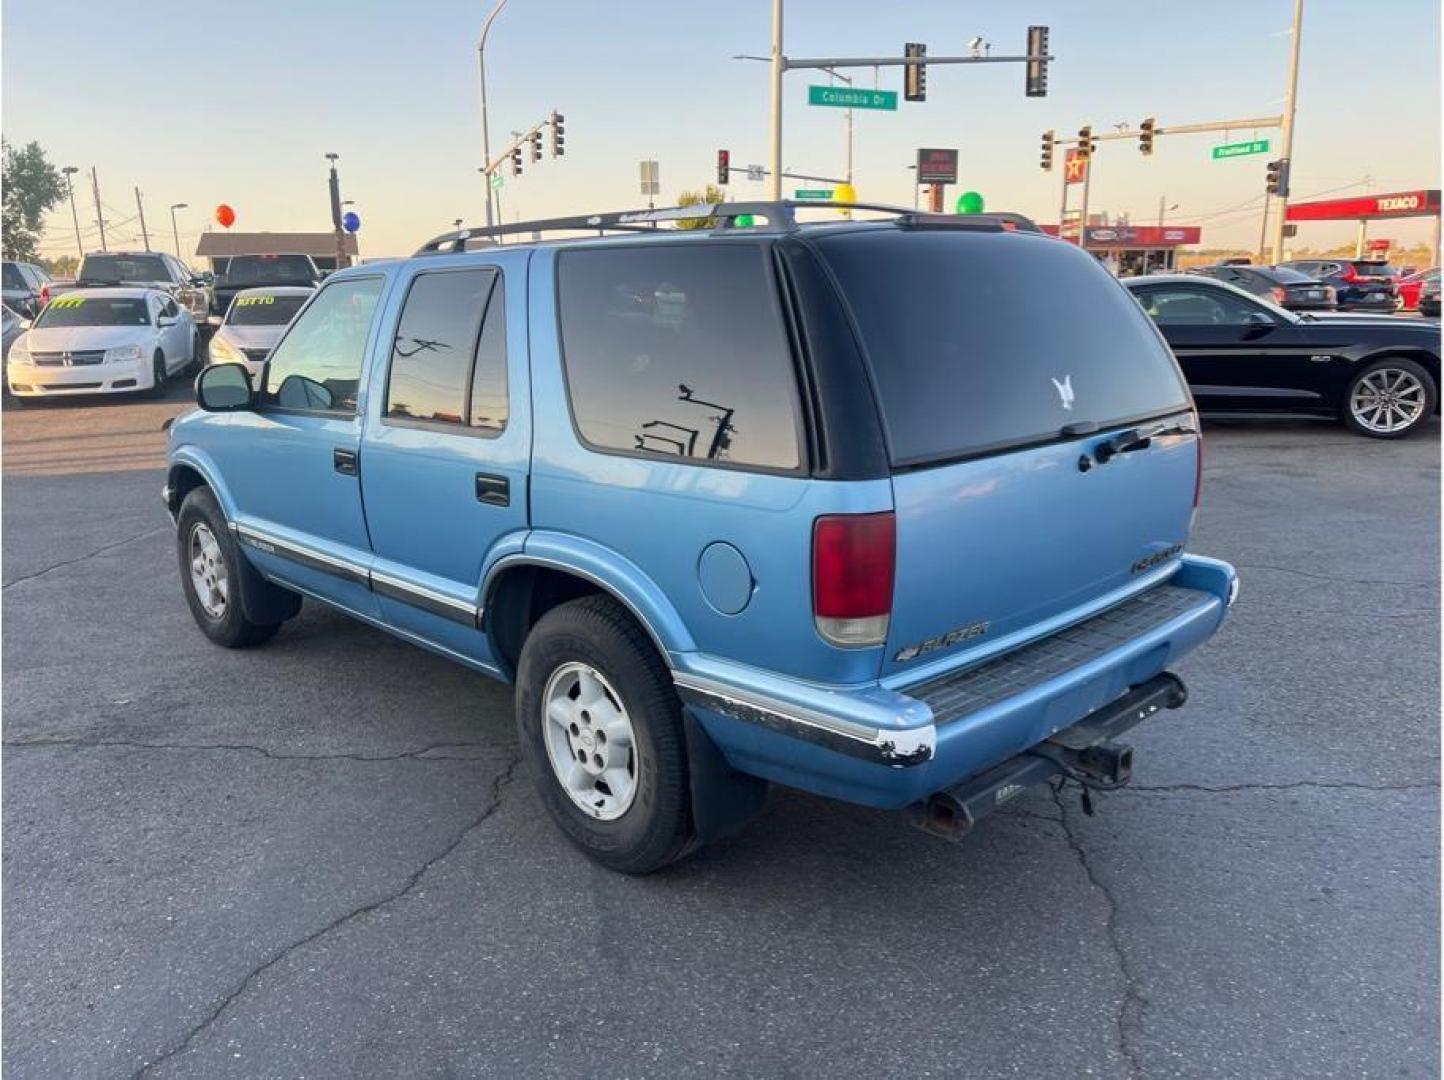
x=321, y=859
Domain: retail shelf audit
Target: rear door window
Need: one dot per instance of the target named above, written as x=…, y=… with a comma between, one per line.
x=980, y=341
x=439, y=343
x=680, y=351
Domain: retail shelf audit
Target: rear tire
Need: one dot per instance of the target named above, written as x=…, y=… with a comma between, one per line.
x=1390, y=398
x=587, y=669
x=211, y=568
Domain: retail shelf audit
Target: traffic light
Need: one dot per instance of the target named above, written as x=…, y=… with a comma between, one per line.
x=1145, y=136
x=1037, y=70
x=1085, y=141
x=724, y=165
x=559, y=145
x=516, y=161
x=535, y=140
x=1046, y=164
x=915, y=76
x=1278, y=177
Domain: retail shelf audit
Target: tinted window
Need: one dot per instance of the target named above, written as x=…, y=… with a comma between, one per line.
x=317, y=365
x=264, y=310
x=1374, y=269
x=1284, y=276
x=116, y=268
x=981, y=340
x=1182, y=306
x=488, y=379
x=71, y=310
x=436, y=344
x=679, y=351
x=12, y=279
x=270, y=270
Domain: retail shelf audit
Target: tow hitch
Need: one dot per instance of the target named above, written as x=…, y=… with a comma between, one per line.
x=1084, y=753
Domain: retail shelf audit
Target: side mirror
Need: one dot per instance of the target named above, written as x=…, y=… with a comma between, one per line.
x=224, y=388
x=299, y=392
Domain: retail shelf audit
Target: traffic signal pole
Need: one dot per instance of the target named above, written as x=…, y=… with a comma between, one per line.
x=1287, y=135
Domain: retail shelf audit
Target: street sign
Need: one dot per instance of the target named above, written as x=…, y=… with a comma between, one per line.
x=650, y=174
x=1241, y=149
x=756, y=172
x=1075, y=167
x=937, y=166
x=497, y=180
x=846, y=97
x=812, y=193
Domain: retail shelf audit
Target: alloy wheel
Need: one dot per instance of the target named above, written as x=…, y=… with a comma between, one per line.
x=589, y=740
x=208, y=572
x=1388, y=400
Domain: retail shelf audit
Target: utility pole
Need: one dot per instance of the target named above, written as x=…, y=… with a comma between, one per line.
x=1263, y=231
x=140, y=210
x=1290, y=104
x=485, y=131
x=70, y=171
x=779, y=65
x=174, y=232
x=1083, y=209
x=99, y=214
x=335, y=184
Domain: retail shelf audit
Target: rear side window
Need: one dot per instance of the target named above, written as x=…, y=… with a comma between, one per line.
x=13, y=280
x=448, y=362
x=679, y=351
x=979, y=341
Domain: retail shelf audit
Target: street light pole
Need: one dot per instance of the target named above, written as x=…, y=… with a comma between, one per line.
x=174, y=232
x=99, y=214
x=335, y=183
x=69, y=171
x=1287, y=135
x=779, y=65
x=485, y=131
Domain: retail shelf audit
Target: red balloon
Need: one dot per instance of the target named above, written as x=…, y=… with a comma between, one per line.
x=225, y=216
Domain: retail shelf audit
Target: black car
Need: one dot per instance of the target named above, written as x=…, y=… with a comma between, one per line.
x=259, y=271
x=1429, y=298
x=22, y=285
x=1361, y=284
x=1285, y=287
x=1380, y=376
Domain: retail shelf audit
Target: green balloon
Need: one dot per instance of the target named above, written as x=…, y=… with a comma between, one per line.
x=743, y=221
x=970, y=202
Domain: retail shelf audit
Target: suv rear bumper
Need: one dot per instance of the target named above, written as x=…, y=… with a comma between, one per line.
x=889, y=748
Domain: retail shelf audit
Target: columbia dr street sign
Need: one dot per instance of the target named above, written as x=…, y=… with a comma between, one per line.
x=812, y=193
x=846, y=97
x=1241, y=149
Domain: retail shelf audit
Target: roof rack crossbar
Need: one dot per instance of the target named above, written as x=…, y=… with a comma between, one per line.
x=780, y=216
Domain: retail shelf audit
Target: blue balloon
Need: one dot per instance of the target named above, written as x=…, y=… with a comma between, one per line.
x=351, y=221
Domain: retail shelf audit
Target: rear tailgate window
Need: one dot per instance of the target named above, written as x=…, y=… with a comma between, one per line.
x=983, y=341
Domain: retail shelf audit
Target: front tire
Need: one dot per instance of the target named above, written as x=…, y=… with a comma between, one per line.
x=210, y=569
x=601, y=729
x=1389, y=399
x=157, y=375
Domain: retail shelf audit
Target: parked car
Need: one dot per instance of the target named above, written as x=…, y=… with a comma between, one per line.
x=11, y=327
x=253, y=324
x=1410, y=286
x=1360, y=284
x=140, y=269
x=261, y=271
x=1287, y=288
x=1380, y=376
x=101, y=341
x=23, y=284
x=840, y=508
x=1429, y=298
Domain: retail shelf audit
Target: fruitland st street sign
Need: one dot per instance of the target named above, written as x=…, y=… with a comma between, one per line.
x=1241, y=149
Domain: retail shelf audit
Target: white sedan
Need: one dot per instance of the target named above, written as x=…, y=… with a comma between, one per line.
x=103, y=341
x=254, y=323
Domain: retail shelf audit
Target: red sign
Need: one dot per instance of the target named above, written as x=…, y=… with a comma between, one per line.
x=1395, y=204
x=1380, y=244
x=1075, y=167
x=937, y=166
x=1132, y=236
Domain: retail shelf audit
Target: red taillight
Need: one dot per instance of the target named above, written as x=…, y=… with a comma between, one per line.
x=853, y=557
x=1280, y=295
x=44, y=295
x=1350, y=276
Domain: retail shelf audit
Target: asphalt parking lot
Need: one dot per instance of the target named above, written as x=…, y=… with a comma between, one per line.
x=322, y=859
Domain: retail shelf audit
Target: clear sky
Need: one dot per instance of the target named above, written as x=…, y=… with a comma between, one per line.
x=205, y=103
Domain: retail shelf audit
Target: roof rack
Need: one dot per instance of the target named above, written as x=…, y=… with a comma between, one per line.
x=781, y=217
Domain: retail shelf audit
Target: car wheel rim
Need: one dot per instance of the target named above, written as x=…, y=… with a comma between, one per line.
x=208, y=572
x=1388, y=400
x=590, y=742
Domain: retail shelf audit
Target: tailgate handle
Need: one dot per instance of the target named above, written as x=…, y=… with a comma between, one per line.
x=344, y=461
x=493, y=490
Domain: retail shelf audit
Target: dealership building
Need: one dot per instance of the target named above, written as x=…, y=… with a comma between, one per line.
x=1134, y=249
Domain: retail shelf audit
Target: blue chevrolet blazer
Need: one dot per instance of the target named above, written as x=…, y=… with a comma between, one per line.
x=893, y=509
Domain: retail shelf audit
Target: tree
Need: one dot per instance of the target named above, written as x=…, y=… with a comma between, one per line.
x=32, y=186
x=708, y=195
x=61, y=266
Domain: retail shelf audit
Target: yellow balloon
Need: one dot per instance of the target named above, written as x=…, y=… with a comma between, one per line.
x=844, y=193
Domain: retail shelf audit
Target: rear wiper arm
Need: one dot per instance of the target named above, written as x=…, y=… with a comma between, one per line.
x=1139, y=438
